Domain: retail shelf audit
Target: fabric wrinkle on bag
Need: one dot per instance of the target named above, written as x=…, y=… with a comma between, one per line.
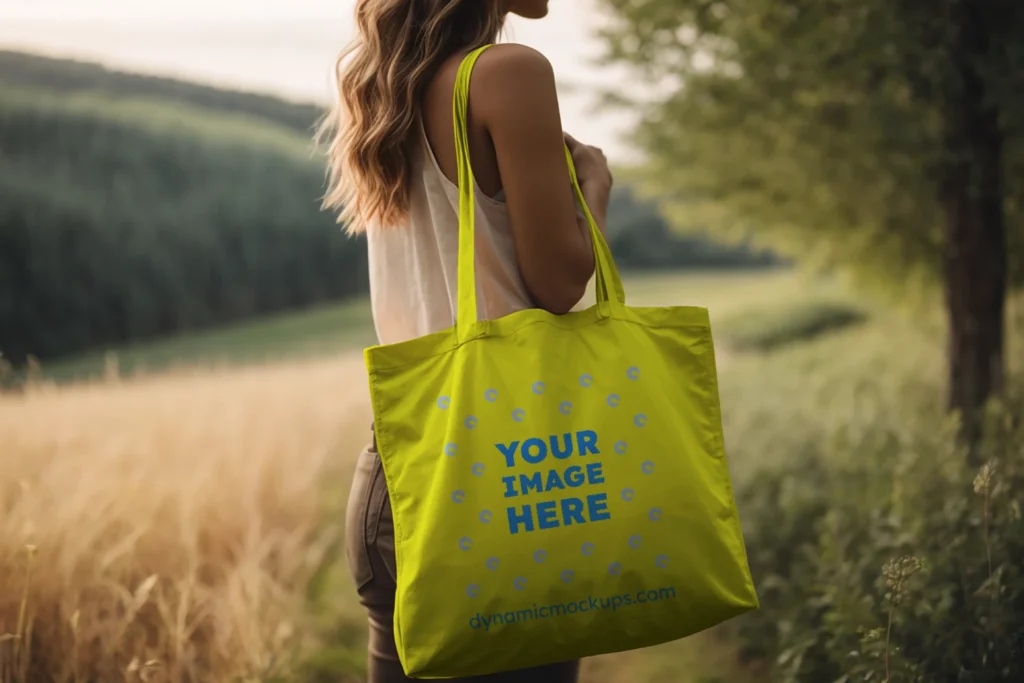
x=559, y=484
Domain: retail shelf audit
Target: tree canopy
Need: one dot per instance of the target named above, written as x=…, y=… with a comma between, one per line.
x=814, y=126
x=885, y=137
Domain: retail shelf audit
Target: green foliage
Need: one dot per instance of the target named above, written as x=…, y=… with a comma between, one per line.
x=817, y=128
x=122, y=220
x=825, y=528
x=640, y=239
x=845, y=463
x=765, y=328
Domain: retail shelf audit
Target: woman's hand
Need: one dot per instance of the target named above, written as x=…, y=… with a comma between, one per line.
x=595, y=180
x=591, y=164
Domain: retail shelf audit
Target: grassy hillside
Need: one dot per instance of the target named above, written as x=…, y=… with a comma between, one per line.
x=71, y=76
x=314, y=332
x=348, y=326
x=134, y=206
x=128, y=218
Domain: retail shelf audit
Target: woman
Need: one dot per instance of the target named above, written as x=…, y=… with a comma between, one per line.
x=393, y=176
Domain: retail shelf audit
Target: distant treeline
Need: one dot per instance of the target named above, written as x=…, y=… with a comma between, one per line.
x=133, y=207
x=124, y=220
x=640, y=239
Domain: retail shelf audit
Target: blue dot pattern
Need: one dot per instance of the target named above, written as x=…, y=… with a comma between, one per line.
x=444, y=402
x=635, y=541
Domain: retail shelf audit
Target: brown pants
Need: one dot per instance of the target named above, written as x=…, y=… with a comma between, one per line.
x=370, y=548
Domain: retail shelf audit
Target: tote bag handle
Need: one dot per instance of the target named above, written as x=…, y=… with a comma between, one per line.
x=609, y=291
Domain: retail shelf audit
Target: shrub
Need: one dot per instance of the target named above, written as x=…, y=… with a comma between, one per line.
x=882, y=555
x=764, y=329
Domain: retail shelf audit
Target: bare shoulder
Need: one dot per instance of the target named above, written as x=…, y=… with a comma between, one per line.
x=512, y=59
x=509, y=78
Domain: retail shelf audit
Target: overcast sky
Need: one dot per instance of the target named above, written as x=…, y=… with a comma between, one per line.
x=286, y=47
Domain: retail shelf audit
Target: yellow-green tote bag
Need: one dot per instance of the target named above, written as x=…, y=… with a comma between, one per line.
x=559, y=483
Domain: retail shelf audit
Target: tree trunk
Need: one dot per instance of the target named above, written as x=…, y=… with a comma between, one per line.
x=975, y=244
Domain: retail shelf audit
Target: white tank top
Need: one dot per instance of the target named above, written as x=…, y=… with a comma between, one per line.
x=414, y=267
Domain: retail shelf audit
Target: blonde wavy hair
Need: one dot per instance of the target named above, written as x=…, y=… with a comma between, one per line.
x=380, y=80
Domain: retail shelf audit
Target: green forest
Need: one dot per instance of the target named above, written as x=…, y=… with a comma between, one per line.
x=133, y=207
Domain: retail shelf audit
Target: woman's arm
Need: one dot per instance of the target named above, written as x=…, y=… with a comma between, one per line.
x=513, y=95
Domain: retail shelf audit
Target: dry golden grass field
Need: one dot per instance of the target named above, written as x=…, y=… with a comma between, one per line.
x=166, y=527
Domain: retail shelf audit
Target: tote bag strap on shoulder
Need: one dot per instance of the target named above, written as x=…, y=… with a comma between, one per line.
x=609, y=291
